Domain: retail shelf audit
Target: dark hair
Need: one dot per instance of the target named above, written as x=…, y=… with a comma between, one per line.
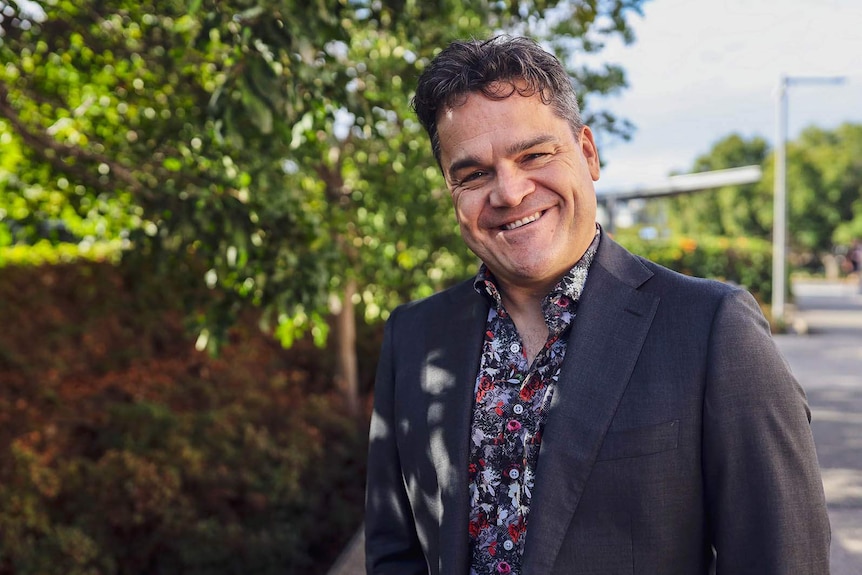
x=481, y=66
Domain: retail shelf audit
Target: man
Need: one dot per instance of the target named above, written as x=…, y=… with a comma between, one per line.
x=574, y=409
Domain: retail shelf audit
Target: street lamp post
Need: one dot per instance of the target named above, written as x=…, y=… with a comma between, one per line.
x=779, y=225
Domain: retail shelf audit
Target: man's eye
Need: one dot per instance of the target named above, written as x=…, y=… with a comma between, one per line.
x=473, y=176
x=535, y=156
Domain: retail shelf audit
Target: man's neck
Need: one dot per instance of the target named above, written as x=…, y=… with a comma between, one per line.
x=525, y=309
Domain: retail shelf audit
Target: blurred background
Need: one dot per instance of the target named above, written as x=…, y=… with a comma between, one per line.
x=208, y=210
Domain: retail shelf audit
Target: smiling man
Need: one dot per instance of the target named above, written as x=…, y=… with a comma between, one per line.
x=574, y=408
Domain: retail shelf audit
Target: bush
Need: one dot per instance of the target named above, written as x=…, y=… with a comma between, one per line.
x=743, y=261
x=125, y=451
x=45, y=252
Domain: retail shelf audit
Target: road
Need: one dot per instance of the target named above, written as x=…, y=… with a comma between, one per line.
x=826, y=357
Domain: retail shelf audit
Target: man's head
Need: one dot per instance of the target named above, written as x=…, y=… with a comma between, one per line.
x=516, y=158
x=483, y=66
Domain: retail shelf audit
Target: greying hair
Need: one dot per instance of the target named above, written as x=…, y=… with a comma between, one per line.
x=481, y=66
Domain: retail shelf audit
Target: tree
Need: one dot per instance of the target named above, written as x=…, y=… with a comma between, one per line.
x=271, y=141
x=730, y=211
x=824, y=190
x=824, y=187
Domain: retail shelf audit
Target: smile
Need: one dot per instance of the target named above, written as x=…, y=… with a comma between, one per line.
x=522, y=222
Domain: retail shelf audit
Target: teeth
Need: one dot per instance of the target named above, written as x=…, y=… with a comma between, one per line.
x=522, y=222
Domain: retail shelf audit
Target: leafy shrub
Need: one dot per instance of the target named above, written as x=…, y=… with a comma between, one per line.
x=743, y=261
x=125, y=451
x=45, y=252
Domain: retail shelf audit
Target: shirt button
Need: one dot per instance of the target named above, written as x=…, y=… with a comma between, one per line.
x=518, y=409
x=514, y=348
x=514, y=473
x=508, y=545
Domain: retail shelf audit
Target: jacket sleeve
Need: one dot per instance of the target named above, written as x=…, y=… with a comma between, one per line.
x=391, y=542
x=764, y=494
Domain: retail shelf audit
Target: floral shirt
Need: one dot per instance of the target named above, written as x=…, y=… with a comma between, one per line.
x=511, y=402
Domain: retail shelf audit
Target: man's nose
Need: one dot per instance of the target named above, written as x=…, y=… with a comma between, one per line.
x=511, y=186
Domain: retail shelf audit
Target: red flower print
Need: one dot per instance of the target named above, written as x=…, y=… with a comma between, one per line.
x=513, y=426
x=485, y=385
x=503, y=567
x=516, y=530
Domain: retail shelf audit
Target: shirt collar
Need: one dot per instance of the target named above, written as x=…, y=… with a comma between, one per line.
x=570, y=286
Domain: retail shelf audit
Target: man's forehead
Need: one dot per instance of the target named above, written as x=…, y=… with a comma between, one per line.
x=495, y=91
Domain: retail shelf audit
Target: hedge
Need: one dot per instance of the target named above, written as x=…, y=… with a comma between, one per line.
x=124, y=451
x=743, y=261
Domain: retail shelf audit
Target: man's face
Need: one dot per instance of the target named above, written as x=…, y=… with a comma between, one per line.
x=522, y=185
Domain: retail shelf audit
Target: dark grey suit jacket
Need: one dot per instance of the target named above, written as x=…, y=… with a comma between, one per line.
x=677, y=441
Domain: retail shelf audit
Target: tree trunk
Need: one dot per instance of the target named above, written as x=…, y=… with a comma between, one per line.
x=346, y=367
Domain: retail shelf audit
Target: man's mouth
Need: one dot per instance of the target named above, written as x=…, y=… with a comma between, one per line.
x=522, y=222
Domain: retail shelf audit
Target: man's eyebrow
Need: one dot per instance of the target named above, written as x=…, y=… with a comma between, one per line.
x=518, y=147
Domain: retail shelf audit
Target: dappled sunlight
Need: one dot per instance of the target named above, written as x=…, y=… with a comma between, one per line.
x=843, y=486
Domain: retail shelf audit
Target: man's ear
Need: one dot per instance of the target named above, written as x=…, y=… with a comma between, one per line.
x=590, y=152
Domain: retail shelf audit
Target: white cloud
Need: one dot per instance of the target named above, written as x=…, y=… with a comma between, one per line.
x=700, y=70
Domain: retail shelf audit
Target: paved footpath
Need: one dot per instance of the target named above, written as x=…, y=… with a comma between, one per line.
x=826, y=356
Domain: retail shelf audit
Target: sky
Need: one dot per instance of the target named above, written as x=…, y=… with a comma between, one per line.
x=700, y=70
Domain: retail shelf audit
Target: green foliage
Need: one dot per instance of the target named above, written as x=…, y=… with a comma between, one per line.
x=824, y=191
x=743, y=261
x=44, y=252
x=272, y=140
x=730, y=211
x=824, y=187
x=124, y=451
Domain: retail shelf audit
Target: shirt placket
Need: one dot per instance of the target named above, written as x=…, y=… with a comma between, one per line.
x=515, y=413
x=521, y=429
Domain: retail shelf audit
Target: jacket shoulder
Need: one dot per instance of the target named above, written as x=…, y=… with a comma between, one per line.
x=651, y=277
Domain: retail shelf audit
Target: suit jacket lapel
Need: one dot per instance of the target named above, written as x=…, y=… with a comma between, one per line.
x=451, y=363
x=607, y=335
